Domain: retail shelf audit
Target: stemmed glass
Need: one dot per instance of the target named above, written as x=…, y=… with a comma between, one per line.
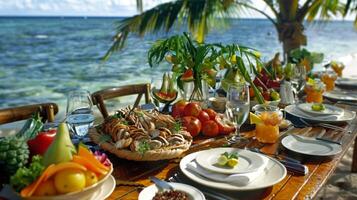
x=79, y=113
x=237, y=107
x=156, y=85
x=298, y=78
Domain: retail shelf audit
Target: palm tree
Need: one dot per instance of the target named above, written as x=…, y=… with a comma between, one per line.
x=201, y=15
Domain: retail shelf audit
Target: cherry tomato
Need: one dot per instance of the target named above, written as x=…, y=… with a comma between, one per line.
x=212, y=114
x=203, y=116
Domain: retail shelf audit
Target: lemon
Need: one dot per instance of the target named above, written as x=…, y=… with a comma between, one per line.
x=254, y=119
x=69, y=180
x=222, y=160
x=232, y=162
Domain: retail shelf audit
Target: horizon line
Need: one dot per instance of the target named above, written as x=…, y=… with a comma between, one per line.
x=108, y=16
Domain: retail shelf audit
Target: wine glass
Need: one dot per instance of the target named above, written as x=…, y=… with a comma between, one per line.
x=79, y=113
x=237, y=107
x=298, y=78
x=156, y=86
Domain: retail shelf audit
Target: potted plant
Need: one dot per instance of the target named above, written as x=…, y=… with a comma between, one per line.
x=194, y=62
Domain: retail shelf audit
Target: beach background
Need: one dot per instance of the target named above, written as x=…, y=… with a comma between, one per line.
x=43, y=58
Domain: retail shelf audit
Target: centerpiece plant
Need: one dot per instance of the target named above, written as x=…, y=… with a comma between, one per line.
x=197, y=62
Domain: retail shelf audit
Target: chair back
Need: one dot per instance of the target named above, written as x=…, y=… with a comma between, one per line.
x=47, y=112
x=114, y=92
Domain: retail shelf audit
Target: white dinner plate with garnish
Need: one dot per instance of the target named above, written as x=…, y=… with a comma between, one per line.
x=310, y=146
x=248, y=161
x=341, y=95
x=193, y=193
x=332, y=119
x=329, y=109
x=272, y=174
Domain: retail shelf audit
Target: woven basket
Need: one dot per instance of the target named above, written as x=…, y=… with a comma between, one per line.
x=151, y=155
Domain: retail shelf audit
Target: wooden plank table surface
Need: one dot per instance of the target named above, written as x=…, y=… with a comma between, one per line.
x=132, y=176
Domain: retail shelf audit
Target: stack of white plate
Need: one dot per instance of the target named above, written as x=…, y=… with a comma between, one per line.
x=253, y=171
x=331, y=114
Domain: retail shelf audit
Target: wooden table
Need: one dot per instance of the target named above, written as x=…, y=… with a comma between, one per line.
x=291, y=187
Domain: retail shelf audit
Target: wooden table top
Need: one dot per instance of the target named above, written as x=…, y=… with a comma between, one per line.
x=291, y=187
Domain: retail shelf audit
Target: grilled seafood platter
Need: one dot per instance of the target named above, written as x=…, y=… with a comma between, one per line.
x=136, y=134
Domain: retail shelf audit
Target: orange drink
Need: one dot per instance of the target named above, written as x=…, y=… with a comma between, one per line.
x=337, y=67
x=329, y=80
x=267, y=125
x=314, y=91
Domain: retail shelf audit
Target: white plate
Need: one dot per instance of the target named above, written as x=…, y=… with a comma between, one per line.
x=194, y=194
x=329, y=109
x=273, y=174
x=247, y=161
x=346, y=82
x=346, y=116
x=340, y=95
x=310, y=146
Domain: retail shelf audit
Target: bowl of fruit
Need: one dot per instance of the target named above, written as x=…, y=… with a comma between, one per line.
x=65, y=172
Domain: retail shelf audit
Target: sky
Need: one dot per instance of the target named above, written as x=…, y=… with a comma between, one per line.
x=89, y=7
x=82, y=7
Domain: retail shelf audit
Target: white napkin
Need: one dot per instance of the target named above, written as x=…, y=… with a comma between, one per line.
x=236, y=179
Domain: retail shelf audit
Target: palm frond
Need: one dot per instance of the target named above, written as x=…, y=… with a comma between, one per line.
x=198, y=15
x=325, y=9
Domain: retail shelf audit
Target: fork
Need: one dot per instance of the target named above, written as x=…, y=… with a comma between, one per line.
x=325, y=125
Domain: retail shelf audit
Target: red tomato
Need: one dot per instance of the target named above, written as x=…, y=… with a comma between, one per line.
x=212, y=114
x=41, y=142
x=178, y=108
x=210, y=128
x=192, y=109
x=192, y=124
x=223, y=127
x=203, y=116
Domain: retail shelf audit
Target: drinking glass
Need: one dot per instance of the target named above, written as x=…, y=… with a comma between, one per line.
x=267, y=131
x=314, y=91
x=237, y=107
x=156, y=85
x=298, y=77
x=329, y=78
x=79, y=113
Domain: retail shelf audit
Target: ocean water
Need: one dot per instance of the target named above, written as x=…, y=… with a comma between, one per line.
x=41, y=59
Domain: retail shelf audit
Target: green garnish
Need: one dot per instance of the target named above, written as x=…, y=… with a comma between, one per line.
x=143, y=147
x=177, y=126
x=318, y=107
x=228, y=159
x=24, y=176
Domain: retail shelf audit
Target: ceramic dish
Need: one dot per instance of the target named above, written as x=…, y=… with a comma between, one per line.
x=247, y=161
x=87, y=193
x=339, y=95
x=333, y=119
x=310, y=146
x=194, y=194
x=348, y=83
x=329, y=109
x=273, y=174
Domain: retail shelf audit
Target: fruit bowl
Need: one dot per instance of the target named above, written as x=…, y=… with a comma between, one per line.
x=87, y=193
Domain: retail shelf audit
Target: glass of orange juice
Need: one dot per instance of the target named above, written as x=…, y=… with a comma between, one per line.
x=329, y=78
x=314, y=90
x=267, y=130
x=337, y=67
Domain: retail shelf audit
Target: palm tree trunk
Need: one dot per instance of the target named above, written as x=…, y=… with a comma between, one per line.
x=291, y=34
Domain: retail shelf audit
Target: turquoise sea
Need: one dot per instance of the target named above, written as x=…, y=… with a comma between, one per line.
x=41, y=59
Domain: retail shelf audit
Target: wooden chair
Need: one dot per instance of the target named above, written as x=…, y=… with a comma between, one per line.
x=47, y=112
x=126, y=90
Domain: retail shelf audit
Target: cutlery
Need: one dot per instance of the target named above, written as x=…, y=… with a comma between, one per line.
x=275, y=155
x=311, y=140
x=162, y=185
x=324, y=125
x=291, y=164
x=210, y=194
